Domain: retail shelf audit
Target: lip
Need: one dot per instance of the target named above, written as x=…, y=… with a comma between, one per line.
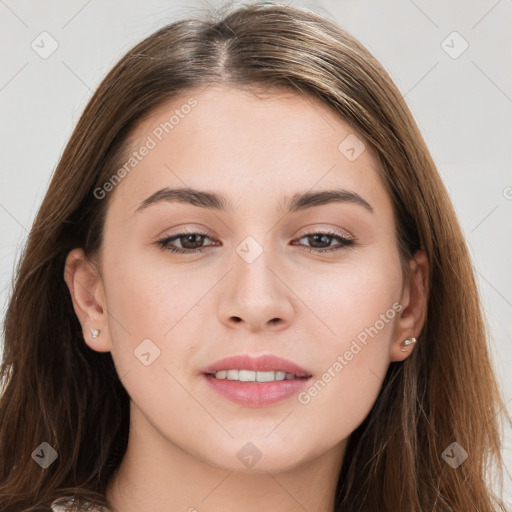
x=256, y=394
x=264, y=363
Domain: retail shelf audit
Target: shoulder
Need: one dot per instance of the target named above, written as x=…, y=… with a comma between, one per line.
x=67, y=505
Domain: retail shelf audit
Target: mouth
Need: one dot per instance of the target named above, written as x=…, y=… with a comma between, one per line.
x=254, y=376
x=256, y=381
x=247, y=368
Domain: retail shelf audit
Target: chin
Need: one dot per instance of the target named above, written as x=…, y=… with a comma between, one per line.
x=258, y=457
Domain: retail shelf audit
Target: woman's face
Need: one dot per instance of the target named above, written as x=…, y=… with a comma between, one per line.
x=259, y=282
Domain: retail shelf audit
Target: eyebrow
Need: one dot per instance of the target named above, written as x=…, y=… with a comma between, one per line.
x=218, y=202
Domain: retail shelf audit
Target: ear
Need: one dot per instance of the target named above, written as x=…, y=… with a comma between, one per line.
x=87, y=293
x=414, y=303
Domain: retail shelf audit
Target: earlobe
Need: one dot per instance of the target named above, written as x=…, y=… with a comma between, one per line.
x=414, y=313
x=407, y=342
x=86, y=290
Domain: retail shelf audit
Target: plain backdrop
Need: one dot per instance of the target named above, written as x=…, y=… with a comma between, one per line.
x=450, y=60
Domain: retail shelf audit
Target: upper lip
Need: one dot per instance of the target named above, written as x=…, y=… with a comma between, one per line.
x=264, y=363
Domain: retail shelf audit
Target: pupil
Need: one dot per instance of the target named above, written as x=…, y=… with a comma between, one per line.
x=190, y=239
x=318, y=238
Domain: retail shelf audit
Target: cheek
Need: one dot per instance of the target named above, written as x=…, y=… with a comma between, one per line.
x=359, y=306
x=147, y=294
x=151, y=310
x=150, y=305
x=347, y=299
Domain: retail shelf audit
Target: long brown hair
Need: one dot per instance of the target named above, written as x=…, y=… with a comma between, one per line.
x=57, y=390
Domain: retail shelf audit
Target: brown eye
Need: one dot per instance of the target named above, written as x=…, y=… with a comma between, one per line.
x=190, y=242
x=322, y=238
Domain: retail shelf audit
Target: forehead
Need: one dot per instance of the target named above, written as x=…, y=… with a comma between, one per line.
x=250, y=146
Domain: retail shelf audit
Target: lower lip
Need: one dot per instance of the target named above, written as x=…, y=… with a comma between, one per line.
x=256, y=394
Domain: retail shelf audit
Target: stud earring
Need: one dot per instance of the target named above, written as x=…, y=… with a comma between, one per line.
x=94, y=333
x=408, y=341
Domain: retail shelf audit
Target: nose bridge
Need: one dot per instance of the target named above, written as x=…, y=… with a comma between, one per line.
x=252, y=273
x=256, y=295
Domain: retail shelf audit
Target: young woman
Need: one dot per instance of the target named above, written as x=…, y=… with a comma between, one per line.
x=246, y=289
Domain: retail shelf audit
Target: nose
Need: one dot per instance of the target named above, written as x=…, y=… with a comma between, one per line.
x=255, y=295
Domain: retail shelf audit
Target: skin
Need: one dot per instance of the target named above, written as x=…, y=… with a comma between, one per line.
x=184, y=438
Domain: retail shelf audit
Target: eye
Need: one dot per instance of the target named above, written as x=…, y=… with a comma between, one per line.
x=327, y=237
x=189, y=241
x=193, y=242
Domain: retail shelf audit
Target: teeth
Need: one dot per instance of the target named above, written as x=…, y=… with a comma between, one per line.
x=246, y=376
x=251, y=376
x=232, y=375
x=266, y=376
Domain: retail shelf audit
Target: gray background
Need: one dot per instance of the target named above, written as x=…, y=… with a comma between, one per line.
x=462, y=105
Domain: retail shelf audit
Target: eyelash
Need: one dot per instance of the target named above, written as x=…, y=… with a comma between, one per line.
x=345, y=242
